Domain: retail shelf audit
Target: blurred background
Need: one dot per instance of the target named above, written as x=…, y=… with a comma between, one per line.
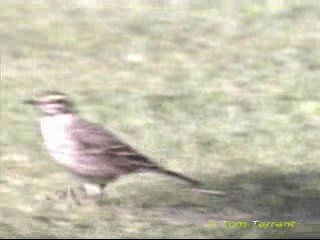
x=224, y=91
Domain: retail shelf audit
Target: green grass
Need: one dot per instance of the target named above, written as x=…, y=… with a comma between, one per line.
x=231, y=102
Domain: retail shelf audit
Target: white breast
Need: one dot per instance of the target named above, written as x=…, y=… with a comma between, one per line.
x=57, y=138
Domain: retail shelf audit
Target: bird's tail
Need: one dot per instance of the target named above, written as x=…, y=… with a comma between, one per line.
x=177, y=175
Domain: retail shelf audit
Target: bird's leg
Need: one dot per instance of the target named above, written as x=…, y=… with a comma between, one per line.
x=82, y=192
x=73, y=196
x=101, y=194
x=69, y=195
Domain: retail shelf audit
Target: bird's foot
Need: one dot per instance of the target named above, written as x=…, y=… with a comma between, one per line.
x=77, y=195
x=70, y=195
x=100, y=199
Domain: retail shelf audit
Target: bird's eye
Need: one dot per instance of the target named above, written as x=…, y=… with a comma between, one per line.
x=60, y=101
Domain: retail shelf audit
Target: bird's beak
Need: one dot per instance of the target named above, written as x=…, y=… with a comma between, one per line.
x=30, y=102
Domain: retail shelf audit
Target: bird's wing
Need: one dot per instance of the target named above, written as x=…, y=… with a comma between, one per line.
x=96, y=140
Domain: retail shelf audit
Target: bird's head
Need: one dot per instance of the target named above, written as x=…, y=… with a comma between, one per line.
x=51, y=103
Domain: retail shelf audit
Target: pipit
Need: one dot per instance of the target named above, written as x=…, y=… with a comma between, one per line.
x=86, y=149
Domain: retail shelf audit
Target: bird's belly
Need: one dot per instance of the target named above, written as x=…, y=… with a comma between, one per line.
x=62, y=156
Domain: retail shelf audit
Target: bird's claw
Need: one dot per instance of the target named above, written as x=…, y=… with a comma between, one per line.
x=69, y=194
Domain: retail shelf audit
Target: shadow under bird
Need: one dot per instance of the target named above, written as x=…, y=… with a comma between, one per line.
x=86, y=149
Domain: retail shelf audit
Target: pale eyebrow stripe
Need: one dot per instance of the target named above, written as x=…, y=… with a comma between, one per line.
x=55, y=98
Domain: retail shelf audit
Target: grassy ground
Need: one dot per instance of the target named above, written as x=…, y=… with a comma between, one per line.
x=233, y=103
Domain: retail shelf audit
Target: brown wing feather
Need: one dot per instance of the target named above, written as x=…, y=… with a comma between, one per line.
x=114, y=153
x=96, y=140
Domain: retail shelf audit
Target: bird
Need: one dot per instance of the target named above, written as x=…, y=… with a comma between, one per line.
x=86, y=149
